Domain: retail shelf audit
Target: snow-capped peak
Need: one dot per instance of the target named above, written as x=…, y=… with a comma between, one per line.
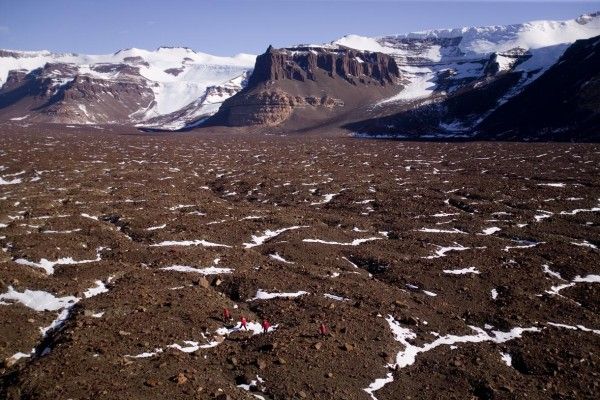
x=176, y=75
x=488, y=39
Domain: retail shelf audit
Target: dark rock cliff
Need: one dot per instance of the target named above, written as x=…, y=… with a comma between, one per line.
x=562, y=104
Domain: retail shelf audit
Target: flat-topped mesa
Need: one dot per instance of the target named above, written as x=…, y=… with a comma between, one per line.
x=302, y=63
x=309, y=85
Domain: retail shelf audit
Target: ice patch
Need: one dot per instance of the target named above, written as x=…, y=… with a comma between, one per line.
x=17, y=356
x=326, y=199
x=492, y=230
x=433, y=230
x=585, y=243
x=48, y=266
x=443, y=214
x=574, y=327
x=543, y=215
x=62, y=232
x=494, y=294
x=506, y=358
x=580, y=210
x=557, y=184
x=268, y=235
x=146, y=354
x=38, y=300
x=523, y=244
x=10, y=182
x=408, y=355
x=98, y=289
x=587, y=279
x=463, y=271
x=555, y=290
x=277, y=257
x=190, y=347
x=180, y=206
x=202, y=271
x=196, y=242
x=355, y=242
x=548, y=271
x=378, y=384
x=334, y=297
x=262, y=295
x=442, y=250
x=153, y=228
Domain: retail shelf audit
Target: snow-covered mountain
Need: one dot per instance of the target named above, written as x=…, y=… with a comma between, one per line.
x=440, y=64
x=464, y=52
x=159, y=83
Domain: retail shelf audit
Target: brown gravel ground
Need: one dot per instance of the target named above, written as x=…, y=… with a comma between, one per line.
x=92, y=194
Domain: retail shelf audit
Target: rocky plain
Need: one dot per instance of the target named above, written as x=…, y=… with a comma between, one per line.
x=459, y=270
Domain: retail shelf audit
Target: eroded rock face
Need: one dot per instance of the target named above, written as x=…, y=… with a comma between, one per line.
x=313, y=80
x=271, y=107
x=302, y=63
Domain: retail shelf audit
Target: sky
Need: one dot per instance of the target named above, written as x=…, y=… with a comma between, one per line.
x=229, y=27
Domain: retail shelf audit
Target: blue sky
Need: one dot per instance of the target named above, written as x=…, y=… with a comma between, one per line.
x=227, y=27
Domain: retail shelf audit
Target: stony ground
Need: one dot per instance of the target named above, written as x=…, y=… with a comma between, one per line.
x=442, y=270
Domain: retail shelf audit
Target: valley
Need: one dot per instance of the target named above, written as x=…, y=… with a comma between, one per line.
x=440, y=270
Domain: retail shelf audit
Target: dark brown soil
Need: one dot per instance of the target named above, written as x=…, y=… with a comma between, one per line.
x=205, y=186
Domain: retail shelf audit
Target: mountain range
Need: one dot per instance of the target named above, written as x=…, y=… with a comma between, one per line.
x=533, y=81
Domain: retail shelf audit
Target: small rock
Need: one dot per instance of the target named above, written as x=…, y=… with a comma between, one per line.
x=347, y=347
x=400, y=303
x=243, y=379
x=269, y=347
x=124, y=333
x=330, y=374
x=9, y=362
x=180, y=378
x=318, y=345
x=202, y=282
x=152, y=382
x=409, y=320
x=223, y=396
x=261, y=364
